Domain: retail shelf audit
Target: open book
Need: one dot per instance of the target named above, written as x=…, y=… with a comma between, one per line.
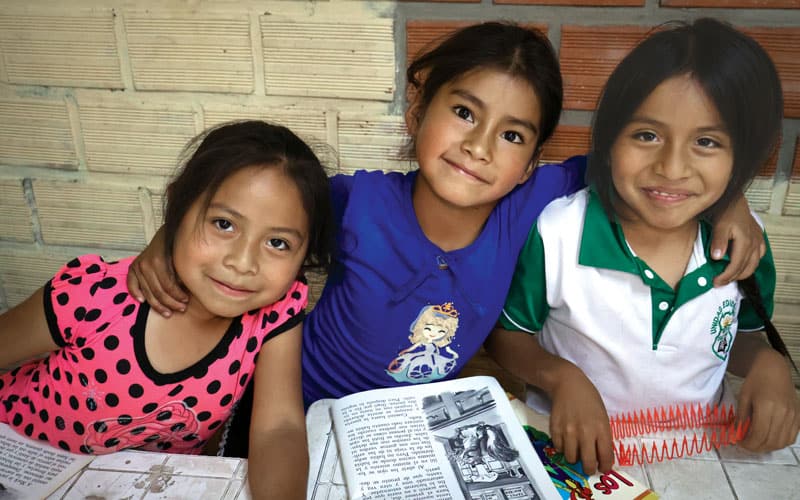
x=33, y=469
x=453, y=439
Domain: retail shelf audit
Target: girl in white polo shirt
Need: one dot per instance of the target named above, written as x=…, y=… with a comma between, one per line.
x=617, y=278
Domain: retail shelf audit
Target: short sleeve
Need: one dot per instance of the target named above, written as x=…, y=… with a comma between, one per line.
x=526, y=305
x=72, y=299
x=765, y=275
x=286, y=313
x=341, y=185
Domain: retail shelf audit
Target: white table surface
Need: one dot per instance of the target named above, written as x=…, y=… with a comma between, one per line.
x=729, y=473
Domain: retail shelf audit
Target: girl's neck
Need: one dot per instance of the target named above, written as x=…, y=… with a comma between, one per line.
x=667, y=252
x=447, y=226
x=178, y=342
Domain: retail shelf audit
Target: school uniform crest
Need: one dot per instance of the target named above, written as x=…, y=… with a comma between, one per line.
x=721, y=329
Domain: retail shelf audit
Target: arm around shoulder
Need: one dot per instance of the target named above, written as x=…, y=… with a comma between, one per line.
x=278, y=457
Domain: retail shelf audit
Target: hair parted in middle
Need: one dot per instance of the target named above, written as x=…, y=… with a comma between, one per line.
x=520, y=52
x=736, y=74
x=222, y=151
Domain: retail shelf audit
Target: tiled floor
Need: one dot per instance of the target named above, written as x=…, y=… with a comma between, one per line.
x=728, y=473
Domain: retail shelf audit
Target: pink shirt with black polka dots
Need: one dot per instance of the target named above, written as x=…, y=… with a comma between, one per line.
x=98, y=392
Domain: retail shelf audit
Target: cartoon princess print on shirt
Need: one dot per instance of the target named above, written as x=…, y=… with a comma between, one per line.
x=429, y=357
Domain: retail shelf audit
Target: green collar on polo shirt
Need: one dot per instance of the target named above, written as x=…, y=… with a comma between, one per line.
x=603, y=245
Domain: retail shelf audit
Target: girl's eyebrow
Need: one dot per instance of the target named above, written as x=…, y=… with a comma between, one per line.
x=237, y=215
x=481, y=105
x=716, y=127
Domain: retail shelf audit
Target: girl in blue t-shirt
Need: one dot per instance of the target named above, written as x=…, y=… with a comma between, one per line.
x=626, y=314
x=484, y=102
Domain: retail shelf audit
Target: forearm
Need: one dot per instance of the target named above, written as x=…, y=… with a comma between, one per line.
x=749, y=348
x=278, y=463
x=521, y=354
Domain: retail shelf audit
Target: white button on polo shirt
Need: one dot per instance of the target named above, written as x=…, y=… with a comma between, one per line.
x=702, y=281
x=649, y=274
x=663, y=305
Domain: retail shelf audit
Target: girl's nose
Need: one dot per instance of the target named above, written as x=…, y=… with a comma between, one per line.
x=673, y=163
x=241, y=256
x=477, y=144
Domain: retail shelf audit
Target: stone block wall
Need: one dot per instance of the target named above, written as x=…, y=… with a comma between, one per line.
x=97, y=97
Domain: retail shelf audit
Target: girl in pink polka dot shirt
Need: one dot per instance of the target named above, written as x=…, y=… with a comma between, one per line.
x=246, y=213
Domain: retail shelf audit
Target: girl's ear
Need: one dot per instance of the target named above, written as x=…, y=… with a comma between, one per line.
x=412, y=117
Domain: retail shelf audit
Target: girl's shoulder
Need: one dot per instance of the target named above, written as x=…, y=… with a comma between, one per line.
x=92, y=272
x=86, y=292
x=363, y=187
x=284, y=312
x=374, y=178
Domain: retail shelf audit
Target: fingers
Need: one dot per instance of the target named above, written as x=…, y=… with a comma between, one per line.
x=772, y=427
x=132, y=281
x=605, y=452
x=743, y=263
x=589, y=456
x=582, y=443
x=164, y=298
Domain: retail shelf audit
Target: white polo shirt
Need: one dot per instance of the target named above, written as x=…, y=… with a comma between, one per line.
x=598, y=305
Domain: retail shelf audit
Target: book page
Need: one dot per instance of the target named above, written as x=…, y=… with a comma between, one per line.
x=33, y=469
x=453, y=439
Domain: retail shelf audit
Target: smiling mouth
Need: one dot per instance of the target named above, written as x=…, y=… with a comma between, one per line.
x=231, y=290
x=665, y=196
x=465, y=171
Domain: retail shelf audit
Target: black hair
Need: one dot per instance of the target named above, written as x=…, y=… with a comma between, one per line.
x=222, y=151
x=517, y=51
x=750, y=289
x=736, y=74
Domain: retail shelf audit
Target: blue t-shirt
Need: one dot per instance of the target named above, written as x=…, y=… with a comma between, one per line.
x=396, y=309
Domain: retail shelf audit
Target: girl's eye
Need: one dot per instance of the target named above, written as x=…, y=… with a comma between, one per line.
x=708, y=142
x=278, y=243
x=512, y=136
x=223, y=224
x=463, y=113
x=645, y=136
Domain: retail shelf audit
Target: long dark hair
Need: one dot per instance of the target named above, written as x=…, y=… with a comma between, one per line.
x=736, y=74
x=750, y=289
x=521, y=52
x=226, y=149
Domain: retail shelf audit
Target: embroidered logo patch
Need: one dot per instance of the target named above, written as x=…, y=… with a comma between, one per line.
x=721, y=329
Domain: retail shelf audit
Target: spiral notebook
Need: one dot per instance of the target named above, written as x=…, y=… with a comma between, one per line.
x=665, y=433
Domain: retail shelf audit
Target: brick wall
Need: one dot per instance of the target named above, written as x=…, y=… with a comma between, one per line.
x=97, y=98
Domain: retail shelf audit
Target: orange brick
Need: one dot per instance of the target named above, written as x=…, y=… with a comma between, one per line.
x=796, y=164
x=769, y=167
x=588, y=55
x=421, y=35
x=585, y=3
x=759, y=4
x=568, y=140
x=783, y=46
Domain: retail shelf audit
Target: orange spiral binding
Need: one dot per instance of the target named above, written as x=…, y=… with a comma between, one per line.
x=700, y=429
